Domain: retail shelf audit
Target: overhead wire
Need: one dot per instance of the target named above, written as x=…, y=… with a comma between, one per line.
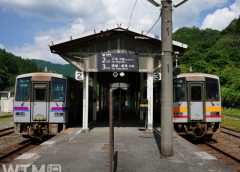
x=159, y=17
x=134, y=5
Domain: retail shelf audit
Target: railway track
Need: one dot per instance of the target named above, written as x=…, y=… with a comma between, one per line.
x=222, y=155
x=235, y=158
x=6, y=131
x=230, y=132
x=225, y=155
x=11, y=150
x=225, y=146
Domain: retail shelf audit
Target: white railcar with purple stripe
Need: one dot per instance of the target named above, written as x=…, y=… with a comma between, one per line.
x=42, y=103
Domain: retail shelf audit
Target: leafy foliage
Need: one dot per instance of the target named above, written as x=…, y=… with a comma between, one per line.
x=65, y=69
x=215, y=52
x=11, y=66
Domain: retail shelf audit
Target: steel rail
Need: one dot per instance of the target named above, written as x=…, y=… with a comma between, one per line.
x=6, y=131
x=230, y=132
x=223, y=152
x=22, y=145
x=7, y=128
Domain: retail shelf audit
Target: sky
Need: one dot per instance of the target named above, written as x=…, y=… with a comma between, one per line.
x=29, y=26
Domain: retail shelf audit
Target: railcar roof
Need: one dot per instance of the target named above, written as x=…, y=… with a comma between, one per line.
x=41, y=74
x=197, y=75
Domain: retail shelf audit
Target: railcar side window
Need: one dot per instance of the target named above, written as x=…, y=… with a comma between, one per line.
x=58, y=89
x=23, y=89
x=179, y=90
x=212, y=89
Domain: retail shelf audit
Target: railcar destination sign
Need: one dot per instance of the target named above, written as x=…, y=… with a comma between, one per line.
x=110, y=62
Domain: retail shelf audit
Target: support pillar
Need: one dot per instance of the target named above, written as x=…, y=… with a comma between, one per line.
x=94, y=96
x=167, y=80
x=100, y=97
x=119, y=105
x=150, y=102
x=85, y=103
x=141, y=94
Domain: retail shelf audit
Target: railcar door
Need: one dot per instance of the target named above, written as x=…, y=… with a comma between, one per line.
x=40, y=102
x=195, y=101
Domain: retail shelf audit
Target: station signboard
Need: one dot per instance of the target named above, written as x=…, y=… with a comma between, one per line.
x=111, y=62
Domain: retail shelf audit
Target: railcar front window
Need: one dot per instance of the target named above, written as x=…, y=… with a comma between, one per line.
x=58, y=89
x=212, y=89
x=23, y=89
x=40, y=92
x=196, y=93
x=179, y=90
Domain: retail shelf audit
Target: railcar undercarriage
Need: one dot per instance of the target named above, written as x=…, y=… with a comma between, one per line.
x=197, y=130
x=37, y=130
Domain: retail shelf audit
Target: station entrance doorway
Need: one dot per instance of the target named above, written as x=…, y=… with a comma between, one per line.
x=127, y=91
x=120, y=102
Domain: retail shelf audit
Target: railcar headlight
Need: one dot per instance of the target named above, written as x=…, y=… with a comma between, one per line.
x=20, y=113
x=215, y=113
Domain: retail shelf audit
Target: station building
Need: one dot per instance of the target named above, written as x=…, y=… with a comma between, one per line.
x=126, y=61
x=6, y=101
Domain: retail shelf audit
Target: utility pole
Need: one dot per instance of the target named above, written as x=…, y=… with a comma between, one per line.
x=167, y=74
x=167, y=80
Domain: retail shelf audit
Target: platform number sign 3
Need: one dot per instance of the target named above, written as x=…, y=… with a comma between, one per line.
x=79, y=76
x=157, y=76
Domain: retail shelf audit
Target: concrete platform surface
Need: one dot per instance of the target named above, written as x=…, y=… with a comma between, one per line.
x=135, y=150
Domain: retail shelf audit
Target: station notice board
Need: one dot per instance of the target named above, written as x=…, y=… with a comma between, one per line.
x=111, y=62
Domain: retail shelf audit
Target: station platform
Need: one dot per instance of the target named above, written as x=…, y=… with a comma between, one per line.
x=135, y=150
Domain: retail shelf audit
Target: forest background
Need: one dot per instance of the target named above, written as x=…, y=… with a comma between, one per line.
x=209, y=51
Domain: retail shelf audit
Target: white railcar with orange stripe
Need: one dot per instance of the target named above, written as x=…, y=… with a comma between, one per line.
x=196, y=104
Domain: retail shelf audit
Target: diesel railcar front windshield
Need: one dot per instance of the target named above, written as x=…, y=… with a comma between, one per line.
x=23, y=89
x=212, y=89
x=58, y=90
x=179, y=90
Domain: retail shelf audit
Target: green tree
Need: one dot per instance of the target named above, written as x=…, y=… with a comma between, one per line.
x=214, y=52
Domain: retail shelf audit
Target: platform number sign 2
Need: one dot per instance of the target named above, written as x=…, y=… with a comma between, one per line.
x=79, y=76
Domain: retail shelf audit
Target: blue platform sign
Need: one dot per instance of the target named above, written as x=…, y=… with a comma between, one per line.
x=111, y=62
